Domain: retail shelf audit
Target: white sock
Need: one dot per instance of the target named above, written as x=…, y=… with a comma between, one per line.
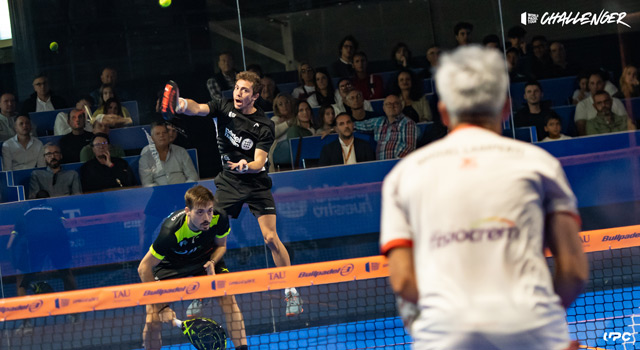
x=290, y=290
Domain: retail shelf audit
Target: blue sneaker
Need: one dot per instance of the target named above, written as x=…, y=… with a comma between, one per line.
x=294, y=304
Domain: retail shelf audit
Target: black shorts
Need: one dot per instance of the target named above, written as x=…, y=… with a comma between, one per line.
x=232, y=191
x=167, y=271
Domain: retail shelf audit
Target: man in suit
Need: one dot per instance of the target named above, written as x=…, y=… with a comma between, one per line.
x=347, y=149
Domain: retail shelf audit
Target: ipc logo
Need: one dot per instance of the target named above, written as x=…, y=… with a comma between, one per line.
x=617, y=336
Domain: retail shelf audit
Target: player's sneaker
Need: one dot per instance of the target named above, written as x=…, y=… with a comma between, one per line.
x=41, y=287
x=25, y=328
x=195, y=308
x=294, y=304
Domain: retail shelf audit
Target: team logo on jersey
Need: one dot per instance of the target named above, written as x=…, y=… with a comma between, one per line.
x=232, y=115
x=246, y=144
x=233, y=138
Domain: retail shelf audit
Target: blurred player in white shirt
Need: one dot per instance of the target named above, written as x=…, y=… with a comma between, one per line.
x=465, y=221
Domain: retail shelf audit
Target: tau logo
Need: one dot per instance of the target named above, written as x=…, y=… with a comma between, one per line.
x=585, y=238
x=232, y=115
x=246, y=144
x=119, y=294
x=277, y=275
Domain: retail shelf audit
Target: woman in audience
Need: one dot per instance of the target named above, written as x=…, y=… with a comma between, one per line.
x=107, y=92
x=325, y=93
x=326, y=117
x=303, y=124
x=582, y=91
x=307, y=85
x=283, y=115
x=113, y=114
x=401, y=56
x=416, y=105
x=629, y=85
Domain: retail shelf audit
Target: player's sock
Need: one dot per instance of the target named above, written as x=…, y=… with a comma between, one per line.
x=294, y=302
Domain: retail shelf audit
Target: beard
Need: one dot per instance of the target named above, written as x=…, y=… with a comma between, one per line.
x=54, y=164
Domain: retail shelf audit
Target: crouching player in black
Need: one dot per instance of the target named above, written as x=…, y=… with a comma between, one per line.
x=245, y=135
x=191, y=243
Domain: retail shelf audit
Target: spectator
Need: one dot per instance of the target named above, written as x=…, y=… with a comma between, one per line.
x=325, y=93
x=534, y=113
x=343, y=66
x=72, y=143
x=8, y=114
x=326, y=116
x=513, y=57
x=553, y=127
x=283, y=116
x=347, y=149
x=409, y=89
x=225, y=79
x=108, y=93
x=433, y=54
x=344, y=87
x=629, y=85
x=303, y=123
x=307, y=85
x=355, y=102
x=268, y=94
x=542, y=66
x=370, y=85
x=42, y=99
x=516, y=36
x=492, y=41
x=401, y=56
x=62, y=127
x=560, y=67
x=104, y=171
x=54, y=180
x=605, y=120
x=462, y=31
x=109, y=76
x=113, y=114
x=395, y=133
x=86, y=154
x=164, y=163
x=582, y=91
x=586, y=110
x=22, y=151
x=256, y=68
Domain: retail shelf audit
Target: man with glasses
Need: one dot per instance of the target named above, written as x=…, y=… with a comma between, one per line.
x=395, y=133
x=104, y=171
x=344, y=87
x=86, y=153
x=42, y=99
x=54, y=180
x=343, y=66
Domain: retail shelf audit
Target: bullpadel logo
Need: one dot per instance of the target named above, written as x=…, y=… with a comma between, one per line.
x=574, y=18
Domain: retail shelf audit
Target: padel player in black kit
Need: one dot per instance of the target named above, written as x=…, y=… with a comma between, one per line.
x=245, y=135
x=191, y=242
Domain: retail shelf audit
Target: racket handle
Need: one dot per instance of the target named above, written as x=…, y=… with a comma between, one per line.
x=177, y=323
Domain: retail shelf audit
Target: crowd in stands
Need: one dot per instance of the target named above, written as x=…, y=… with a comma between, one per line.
x=336, y=99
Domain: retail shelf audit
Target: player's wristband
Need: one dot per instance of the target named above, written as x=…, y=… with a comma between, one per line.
x=181, y=106
x=243, y=168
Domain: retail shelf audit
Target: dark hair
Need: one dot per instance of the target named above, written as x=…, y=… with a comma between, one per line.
x=330, y=99
x=321, y=112
x=601, y=92
x=462, y=25
x=100, y=134
x=516, y=32
x=118, y=104
x=256, y=69
x=361, y=54
x=552, y=117
x=198, y=195
x=533, y=82
x=87, y=98
x=104, y=86
x=491, y=38
x=539, y=38
x=604, y=76
x=416, y=87
x=397, y=47
x=345, y=39
x=157, y=123
x=341, y=114
x=253, y=78
x=513, y=49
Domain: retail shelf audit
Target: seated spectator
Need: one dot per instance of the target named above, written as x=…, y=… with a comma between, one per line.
x=629, y=85
x=56, y=181
x=553, y=127
x=225, y=79
x=582, y=91
x=325, y=93
x=105, y=171
x=8, y=113
x=433, y=55
x=370, y=85
x=561, y=67
x=395, y=133
x=409, y=89
x=401, y=56
x=303, y=123
x=164, y=163
x=326, y=117
x=355, y=102
x=113, y=114
x=22, y=151
x=344, y=87
x=42, y=99
x=86, y=154
x=534, y=113
x=541, y=65
x=62, y=127
x=462, y=31
x=492, y=41
x=72, y=143
x=343, y=66
x=515, y=76
x=605, y=121
x=347, y=149
x=307, y=84
x=585, y=110
x=108, y=94
x=268, y=94
x=283, y=115
x=516, y=36
x=108, y=77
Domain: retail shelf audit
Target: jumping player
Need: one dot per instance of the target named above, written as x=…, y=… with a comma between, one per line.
x=191, y=242
x=245, y=135
x=467, y=245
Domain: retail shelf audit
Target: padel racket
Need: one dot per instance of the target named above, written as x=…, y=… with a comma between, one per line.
x=170, y=100
x=87, y=111
x=203, y=333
